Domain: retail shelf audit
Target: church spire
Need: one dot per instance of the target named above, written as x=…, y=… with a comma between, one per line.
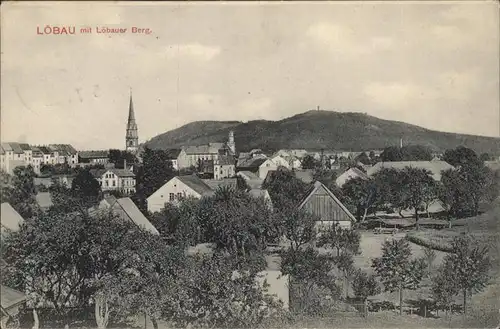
x=131, y=135
x=131, y=115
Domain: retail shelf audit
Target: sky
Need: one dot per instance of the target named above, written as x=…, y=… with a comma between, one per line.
x=435, y=65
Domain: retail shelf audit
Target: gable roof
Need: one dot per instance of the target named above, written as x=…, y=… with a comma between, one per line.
x=252, y=162
x=226, y=160
x=210, y=148
x=436, y=167
x=248, y=174
x=25, y=146
x=133, y=214
x=316, y=187
x=225, y=182
x=97, y=173
x=93, y=154
x=173, y=154
x=350, y=174
x=10, y=218
x=45, y=150
x=16, y=148
x=196, y=184
x=7, y=147
x=10, y=297
x=63, y=149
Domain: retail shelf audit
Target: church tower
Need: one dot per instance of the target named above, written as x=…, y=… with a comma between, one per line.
x=230, y=143
x=131, y=137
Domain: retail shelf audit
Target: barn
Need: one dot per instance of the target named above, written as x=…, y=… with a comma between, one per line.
x=321, y=202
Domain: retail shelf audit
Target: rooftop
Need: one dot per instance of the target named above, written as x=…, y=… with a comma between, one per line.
x=436, y=167
x=196, y=183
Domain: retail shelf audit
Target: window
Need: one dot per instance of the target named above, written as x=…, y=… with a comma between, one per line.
x=114, y=183
x=106, y=183
x=171, y=197
x=179, y=195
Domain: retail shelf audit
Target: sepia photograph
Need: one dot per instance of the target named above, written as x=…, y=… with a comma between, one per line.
x=239, y=164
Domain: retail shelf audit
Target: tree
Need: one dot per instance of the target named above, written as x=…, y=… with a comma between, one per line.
x=285, y=189
x=86, y=188
x=308, y=270
x=359, y=195
x=19, y=190
x=235, y=221
x=363, y=158
x=221, y=291
x=397, y=270
x=460, y=156
x=416, y=153
x=326, y=176
x=60, y=258
x=344, y=240
x=241, y=183
x=484, y=157
x=345, y=264
x=417, y=188
x=179, y=223
x=465, y=187
x=156, y=170
x=308, y=162
x=364, y=285
x=391, y=153
x=430, y=257
x=467, y=266
x=119, y=158
x=387, y=188
x=298, y=227
x=444, y=288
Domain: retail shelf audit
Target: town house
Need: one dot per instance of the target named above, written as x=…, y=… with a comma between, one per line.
x=177, y=188
x=113, y=179
x=260, y=166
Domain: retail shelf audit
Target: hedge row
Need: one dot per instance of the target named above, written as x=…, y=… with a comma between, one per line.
x=428, y=242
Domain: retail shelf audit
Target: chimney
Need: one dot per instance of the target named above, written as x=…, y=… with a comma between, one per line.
x=401, y=143
x=124, y=163
x=318, y=107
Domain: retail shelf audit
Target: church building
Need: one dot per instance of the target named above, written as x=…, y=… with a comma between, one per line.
x=131, y=136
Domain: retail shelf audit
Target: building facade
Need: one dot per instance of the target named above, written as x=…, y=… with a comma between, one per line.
x=175, y=189
x=113, y=179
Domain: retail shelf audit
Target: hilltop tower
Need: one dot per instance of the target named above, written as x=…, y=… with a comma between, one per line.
x=131, y=136
x=230, y=142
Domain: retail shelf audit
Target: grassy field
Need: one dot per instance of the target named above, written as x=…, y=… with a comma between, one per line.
x=484, y=310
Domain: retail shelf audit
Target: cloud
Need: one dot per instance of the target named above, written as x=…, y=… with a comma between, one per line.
x=396, y=95
x=342, y=40
x=194, y=50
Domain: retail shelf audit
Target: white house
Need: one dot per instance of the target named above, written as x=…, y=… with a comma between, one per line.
x=280, y=161
x=177, y=188
x=295, y=162
x=259, y=166
x=113, y=179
